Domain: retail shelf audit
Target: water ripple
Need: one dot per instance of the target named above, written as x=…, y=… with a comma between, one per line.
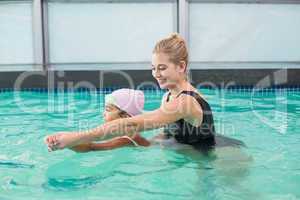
x=63, y=184
x=10, y=164
x=175, y=195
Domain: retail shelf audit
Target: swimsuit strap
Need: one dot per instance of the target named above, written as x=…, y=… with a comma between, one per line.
x=188, y=92
x=131, y=140
x=191, y=93
x=169, y=94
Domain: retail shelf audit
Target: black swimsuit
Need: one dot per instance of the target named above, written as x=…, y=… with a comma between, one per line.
x=201, y=137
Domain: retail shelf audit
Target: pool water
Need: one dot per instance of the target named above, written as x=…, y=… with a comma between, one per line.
x=268, y=168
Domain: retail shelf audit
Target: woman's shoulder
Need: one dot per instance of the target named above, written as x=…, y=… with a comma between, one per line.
x=191, y=109
x=193, y=93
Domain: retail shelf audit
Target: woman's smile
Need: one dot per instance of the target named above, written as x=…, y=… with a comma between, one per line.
x=161, y=80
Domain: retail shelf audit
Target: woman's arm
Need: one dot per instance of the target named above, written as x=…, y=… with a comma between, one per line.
x=169, y=112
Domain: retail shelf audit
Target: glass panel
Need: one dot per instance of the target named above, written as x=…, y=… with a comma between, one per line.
x=16, y=43
x=107, y=32
x=244, y=32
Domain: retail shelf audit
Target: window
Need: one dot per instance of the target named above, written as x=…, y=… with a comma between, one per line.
x=16, y=33
x=244, y=32
x=115, y=32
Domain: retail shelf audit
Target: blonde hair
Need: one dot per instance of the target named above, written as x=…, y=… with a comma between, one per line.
x=175, y=47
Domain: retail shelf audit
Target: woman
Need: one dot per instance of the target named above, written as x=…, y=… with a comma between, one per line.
x=184, y=113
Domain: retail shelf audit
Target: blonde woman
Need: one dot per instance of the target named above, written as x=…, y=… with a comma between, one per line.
x=185, y=114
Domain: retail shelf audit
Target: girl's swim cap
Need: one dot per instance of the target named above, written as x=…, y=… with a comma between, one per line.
x=128, y=100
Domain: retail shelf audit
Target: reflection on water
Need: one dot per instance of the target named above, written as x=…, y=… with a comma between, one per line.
x=222, y=168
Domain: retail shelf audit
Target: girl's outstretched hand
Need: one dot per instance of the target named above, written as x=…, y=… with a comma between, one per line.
x=60, y=140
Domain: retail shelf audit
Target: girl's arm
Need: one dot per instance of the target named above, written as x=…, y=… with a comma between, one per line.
x=111, y=144
x=182, y=107
x=82, y=148
x=108, y=145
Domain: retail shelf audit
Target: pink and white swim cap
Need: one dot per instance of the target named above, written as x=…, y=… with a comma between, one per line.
x=128, y=100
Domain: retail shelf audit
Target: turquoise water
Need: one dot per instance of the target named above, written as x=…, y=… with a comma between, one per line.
x=269, y=168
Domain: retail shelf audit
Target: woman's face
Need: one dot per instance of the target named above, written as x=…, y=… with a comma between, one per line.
x=165, y=72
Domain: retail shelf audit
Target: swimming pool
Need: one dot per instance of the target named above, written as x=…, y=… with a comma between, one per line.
x=267, y=121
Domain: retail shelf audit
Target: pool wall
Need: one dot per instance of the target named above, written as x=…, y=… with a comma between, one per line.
x=220, y=78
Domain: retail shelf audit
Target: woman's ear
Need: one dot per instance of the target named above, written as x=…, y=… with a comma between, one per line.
x=182, y=66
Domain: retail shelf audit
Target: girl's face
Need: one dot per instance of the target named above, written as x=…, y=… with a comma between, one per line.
x=111, y=112
x=167, y=74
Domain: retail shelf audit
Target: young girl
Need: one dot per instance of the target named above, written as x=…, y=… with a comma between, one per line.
x=121, y=103
x=185, y=114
